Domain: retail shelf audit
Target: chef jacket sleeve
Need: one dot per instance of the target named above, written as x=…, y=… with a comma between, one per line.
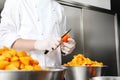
x=10, y=22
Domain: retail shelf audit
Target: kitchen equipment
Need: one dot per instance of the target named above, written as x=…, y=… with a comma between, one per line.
x=82, y=72
x=54, y=73
x=96, y=34
x=106, y=78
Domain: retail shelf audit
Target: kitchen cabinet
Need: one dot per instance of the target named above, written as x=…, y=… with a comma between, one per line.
x=73, y=16
x=1, y=4
x=99, y=38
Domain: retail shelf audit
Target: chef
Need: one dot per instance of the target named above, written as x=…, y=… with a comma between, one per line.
x=35, y=26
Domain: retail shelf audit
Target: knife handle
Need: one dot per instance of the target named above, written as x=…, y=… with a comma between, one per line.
x=63, y=54
x=46, y=51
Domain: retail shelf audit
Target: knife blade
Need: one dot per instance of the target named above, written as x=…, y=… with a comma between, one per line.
x=46, y=51
x=65, y=33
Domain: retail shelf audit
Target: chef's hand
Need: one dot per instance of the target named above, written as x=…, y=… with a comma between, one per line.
x=47, y=44
x=68, y=47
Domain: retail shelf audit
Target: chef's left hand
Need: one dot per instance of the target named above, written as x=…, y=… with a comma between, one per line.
x=68, y=47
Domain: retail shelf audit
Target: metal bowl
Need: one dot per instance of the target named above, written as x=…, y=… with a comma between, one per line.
x=106, y=78
x=82, y=72
x=54, y=73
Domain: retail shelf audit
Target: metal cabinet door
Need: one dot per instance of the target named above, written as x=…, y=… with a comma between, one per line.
x=1, y=4
x=73, y=16
x=99, y=39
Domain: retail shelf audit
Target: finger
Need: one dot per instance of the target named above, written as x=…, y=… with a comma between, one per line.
x=68, y=45
x=65, y=52
x=66, y=49
x=57, y=43
x=70, y=40
x=58, y=39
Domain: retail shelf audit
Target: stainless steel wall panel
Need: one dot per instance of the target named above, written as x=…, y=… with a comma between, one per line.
x=94, y=32
x=99, y=39
x=1, y=4
x=73, y=16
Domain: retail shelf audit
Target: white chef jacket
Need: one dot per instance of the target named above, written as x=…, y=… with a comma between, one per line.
x=33, y=19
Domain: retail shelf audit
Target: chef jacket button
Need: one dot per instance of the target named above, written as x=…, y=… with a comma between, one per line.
x=55, y=23
x=42, y=34
x=35, y=6
x=38, y=19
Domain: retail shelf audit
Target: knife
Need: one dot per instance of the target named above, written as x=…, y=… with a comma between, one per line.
x=46, y=51
x=65, y=33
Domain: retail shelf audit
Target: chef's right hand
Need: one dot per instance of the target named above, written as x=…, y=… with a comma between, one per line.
x=47, y=44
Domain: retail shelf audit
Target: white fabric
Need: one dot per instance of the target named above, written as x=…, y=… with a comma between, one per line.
x=32, y=19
